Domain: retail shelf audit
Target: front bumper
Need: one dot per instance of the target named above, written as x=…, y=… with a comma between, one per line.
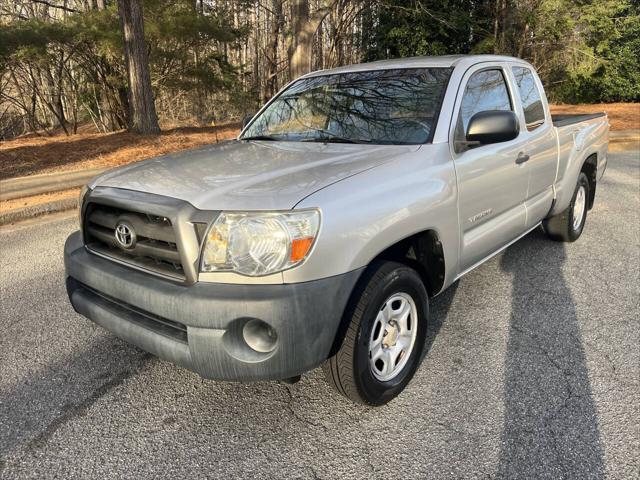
x=199, y=326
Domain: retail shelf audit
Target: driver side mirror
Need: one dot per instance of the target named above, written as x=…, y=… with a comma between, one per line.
x=493, y=126
x=247, y=119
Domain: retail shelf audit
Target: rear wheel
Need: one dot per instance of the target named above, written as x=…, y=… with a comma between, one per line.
x=567, y=226
x=382, y=347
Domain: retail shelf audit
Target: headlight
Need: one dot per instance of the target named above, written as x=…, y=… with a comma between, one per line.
x=259, y=243
x=83, y=193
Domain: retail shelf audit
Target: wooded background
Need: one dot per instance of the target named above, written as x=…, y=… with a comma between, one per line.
x=115, y=63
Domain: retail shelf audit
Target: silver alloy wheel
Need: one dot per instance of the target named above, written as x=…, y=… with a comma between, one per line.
x=393, y=336
x=578, y=207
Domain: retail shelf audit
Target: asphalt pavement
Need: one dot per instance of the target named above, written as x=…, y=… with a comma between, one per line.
x=533, y=371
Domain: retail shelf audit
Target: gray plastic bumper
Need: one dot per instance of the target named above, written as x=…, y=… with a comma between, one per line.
x=200, y=326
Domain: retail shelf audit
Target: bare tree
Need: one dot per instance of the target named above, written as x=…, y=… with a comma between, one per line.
x=142, y=109
x=272, y=51
x=303, y=30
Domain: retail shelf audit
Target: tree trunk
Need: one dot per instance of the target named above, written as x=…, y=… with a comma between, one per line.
x=299, y=54
x=52, y=97
x=142, y=110
x=304, y=29
x=272, y=56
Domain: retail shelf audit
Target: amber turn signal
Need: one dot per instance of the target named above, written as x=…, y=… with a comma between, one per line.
x=300, y=247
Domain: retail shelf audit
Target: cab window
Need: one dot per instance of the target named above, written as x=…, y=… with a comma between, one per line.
x=485, y=90
x=530, y=97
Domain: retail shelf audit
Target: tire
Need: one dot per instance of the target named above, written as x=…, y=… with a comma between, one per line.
x=385, y=289
x=565, y=227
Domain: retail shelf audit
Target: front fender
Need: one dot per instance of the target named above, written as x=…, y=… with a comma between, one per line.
x=369, y=212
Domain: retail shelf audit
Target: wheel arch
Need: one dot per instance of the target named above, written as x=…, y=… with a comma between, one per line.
x=422, y=251
x=565, y=187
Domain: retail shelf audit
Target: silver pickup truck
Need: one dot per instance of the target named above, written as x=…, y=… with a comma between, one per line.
x=318, y=236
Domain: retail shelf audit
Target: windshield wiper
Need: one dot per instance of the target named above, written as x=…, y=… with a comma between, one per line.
x=260, y=137
x=330, y=137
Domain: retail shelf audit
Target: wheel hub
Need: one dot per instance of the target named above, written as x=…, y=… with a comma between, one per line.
x=390, y=335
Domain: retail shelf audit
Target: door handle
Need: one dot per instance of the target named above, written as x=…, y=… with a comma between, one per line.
x=522, y=157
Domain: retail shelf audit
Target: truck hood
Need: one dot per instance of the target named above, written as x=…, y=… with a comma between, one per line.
x=257, y=175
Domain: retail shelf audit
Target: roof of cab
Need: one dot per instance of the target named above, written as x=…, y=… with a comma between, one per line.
x=417, y=62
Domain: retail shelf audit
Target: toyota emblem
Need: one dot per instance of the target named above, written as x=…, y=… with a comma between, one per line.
x=125, y=235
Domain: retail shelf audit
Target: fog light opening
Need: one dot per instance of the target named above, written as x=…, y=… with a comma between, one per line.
x=259, y=336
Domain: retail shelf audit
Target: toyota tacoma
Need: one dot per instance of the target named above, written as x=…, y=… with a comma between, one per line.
x=318, y=236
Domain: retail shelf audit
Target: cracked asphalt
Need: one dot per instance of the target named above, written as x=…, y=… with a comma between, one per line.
x=532, y=372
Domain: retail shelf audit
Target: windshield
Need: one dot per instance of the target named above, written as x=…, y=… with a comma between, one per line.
x=395, y=107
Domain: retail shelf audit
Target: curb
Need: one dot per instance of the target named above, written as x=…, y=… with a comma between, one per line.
x=19, y=214
x=48, y=183
x=630, y=134
x=626, y=146
x=624, y=140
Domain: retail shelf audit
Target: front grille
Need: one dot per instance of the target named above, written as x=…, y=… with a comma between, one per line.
x=155, y=249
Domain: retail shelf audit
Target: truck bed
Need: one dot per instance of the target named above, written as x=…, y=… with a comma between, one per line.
x=571, y=118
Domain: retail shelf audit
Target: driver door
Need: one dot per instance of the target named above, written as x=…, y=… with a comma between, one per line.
x=492, y=186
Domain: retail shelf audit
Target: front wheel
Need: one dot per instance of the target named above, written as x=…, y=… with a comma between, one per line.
x=382, y=347
x=567, y=226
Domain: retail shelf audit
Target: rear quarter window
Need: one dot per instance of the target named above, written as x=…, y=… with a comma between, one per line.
x=530, y=97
